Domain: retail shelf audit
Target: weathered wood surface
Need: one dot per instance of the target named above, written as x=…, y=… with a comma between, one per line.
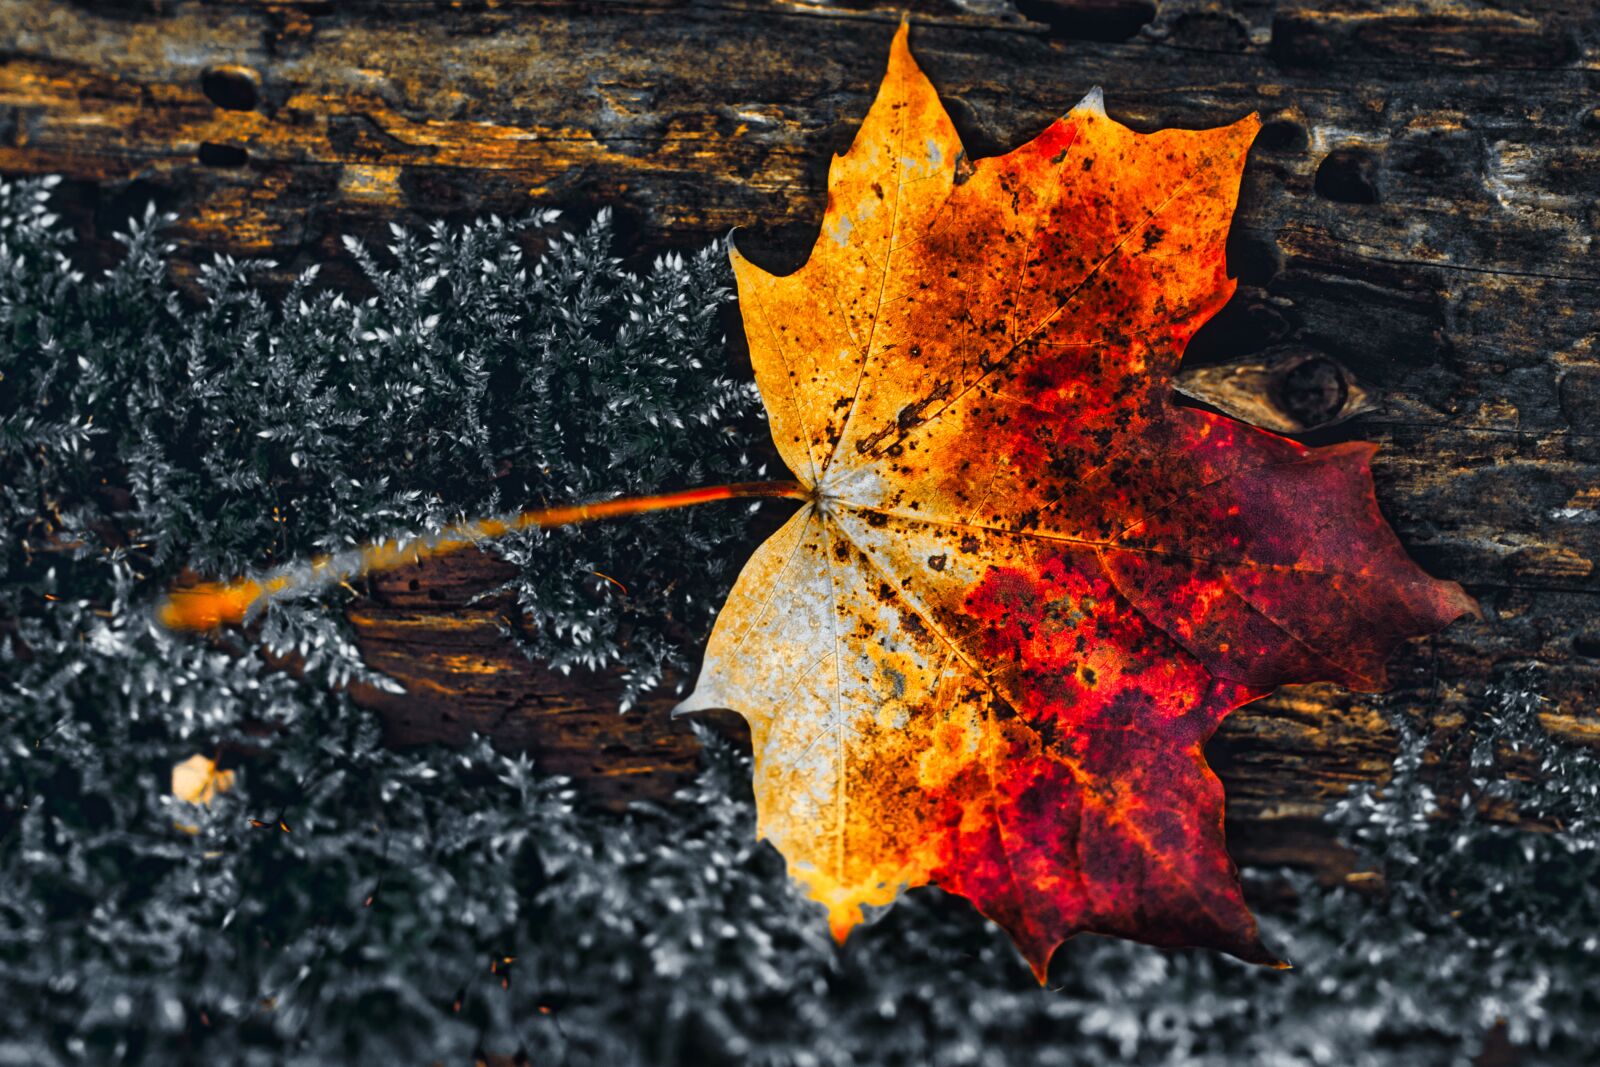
x=1420, y=211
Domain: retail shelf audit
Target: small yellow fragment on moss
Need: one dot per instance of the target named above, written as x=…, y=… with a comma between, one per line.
x=196, y=781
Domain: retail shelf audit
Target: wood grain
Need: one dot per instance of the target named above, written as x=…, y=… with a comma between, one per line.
x=1420, y=211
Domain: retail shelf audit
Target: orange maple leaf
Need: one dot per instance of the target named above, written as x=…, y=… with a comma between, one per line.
x=1026, y=586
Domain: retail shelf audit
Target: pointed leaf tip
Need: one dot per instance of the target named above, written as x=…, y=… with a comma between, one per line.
x=900, y=47
x=735, y=257
x=1040, y=965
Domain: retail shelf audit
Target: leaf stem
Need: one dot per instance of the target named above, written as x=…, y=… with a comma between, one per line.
x=213, y=604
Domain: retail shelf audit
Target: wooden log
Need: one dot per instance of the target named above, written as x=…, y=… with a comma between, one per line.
x=1419, y=215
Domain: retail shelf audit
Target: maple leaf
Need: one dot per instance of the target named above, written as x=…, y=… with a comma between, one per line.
x=1027, y=586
